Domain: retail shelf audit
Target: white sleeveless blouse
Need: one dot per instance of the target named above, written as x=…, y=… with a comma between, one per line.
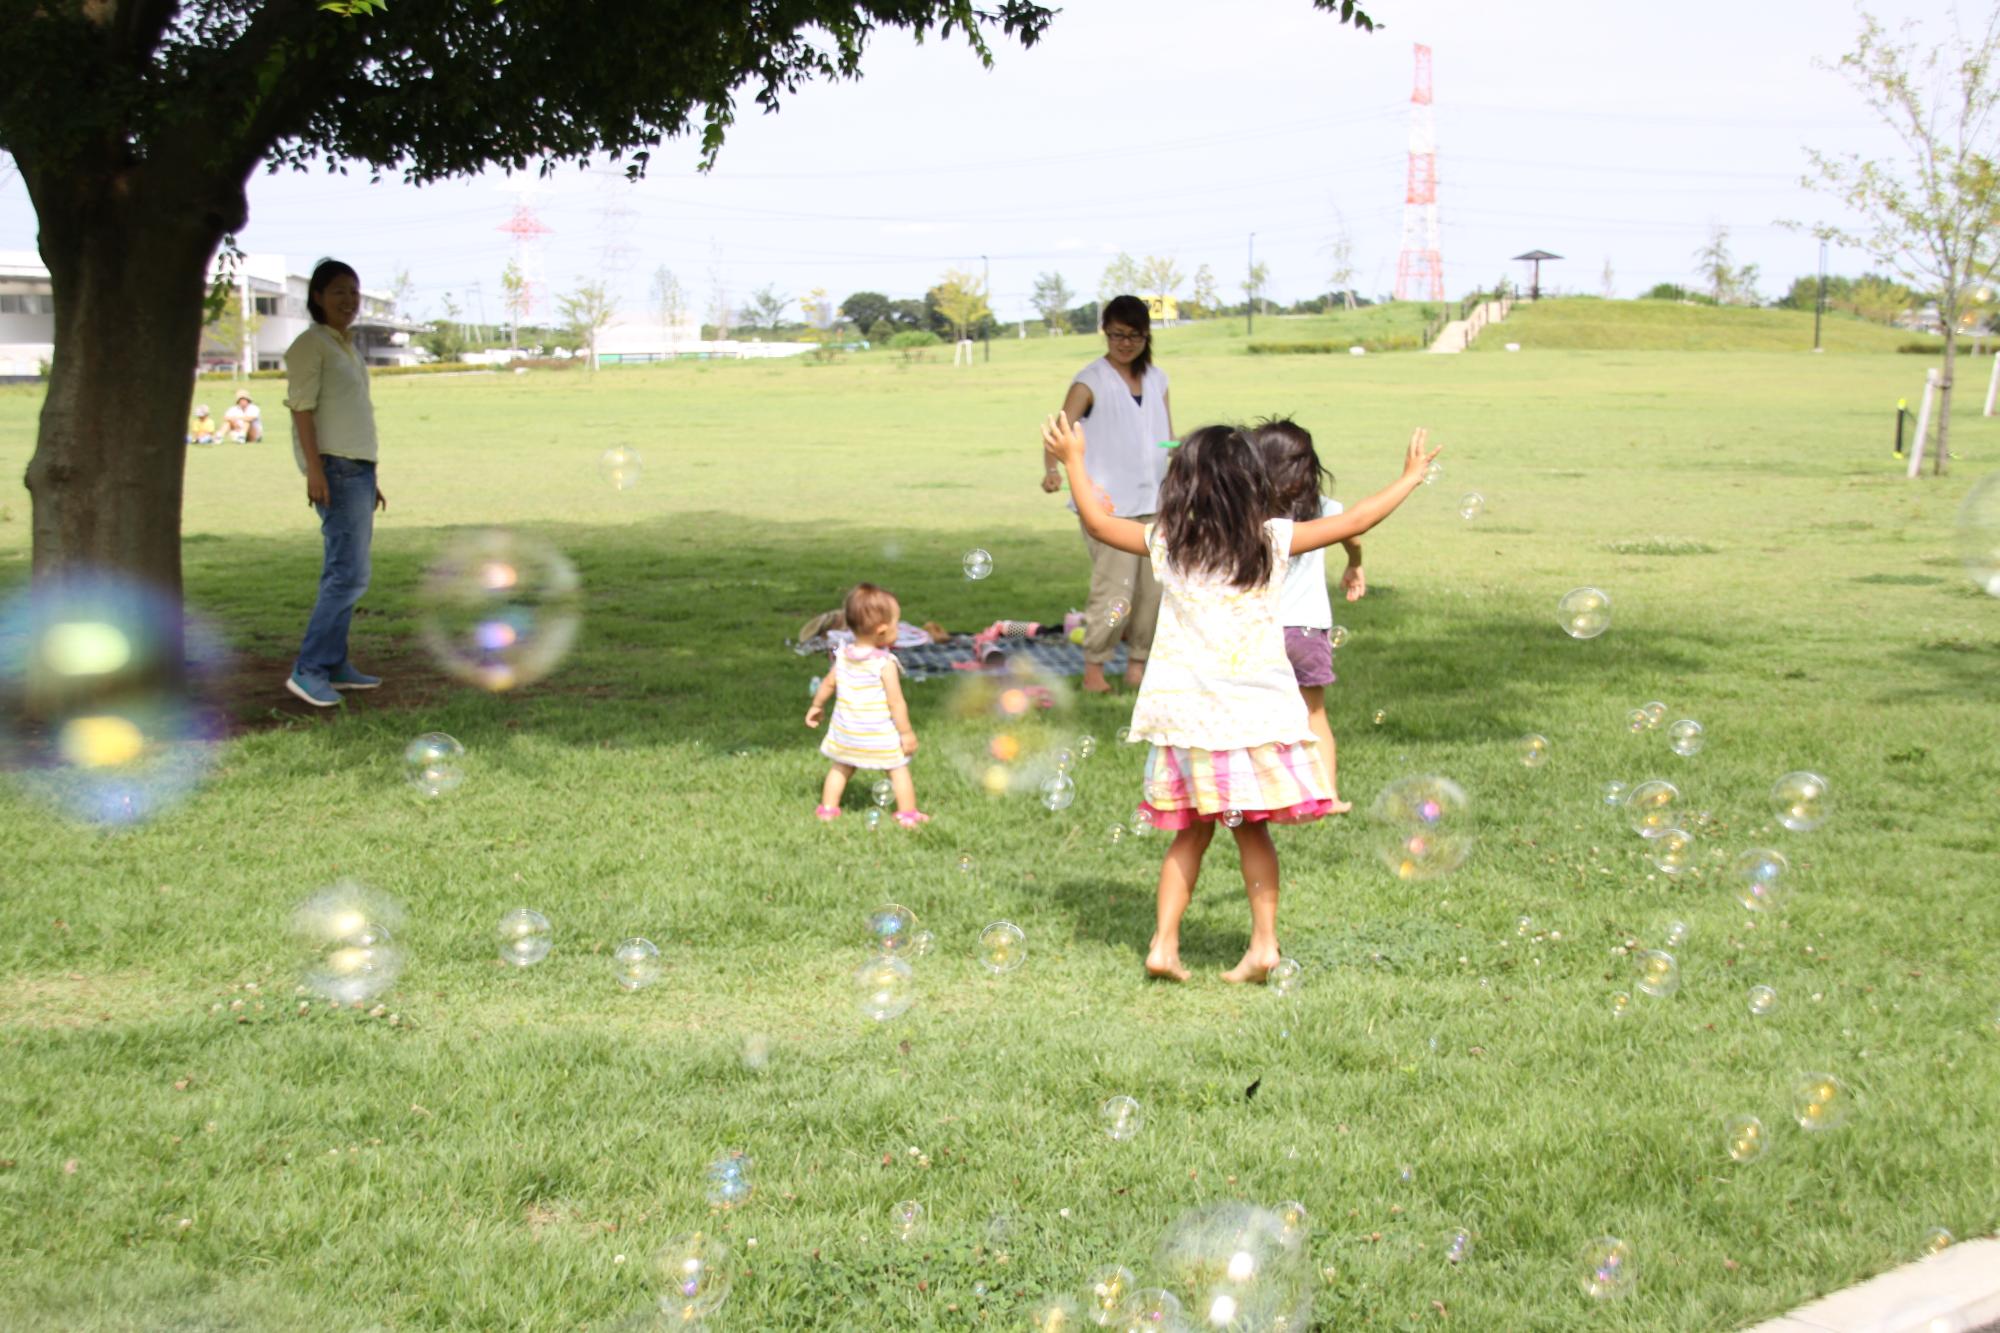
x=1122, y=439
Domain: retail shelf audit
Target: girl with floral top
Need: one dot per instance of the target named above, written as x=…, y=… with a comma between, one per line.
x=1220, y=705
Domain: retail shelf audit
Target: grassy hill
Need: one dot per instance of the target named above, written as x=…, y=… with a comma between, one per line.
x=1588, y=324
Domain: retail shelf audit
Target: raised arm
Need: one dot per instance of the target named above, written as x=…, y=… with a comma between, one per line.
x=1063, y=439
x=1319, y=532
x=1075, y=403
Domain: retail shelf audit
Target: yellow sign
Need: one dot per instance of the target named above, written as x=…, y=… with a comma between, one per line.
x=1166, y=309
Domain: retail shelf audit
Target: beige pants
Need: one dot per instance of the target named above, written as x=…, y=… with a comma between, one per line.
x=1116, y=576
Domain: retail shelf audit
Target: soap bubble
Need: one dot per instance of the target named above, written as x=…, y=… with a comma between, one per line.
x=1743, y=1135
x=883, y=793
x=1236, y=1265
x=1685, y=737
x=1380, y=716
x=500, y=609
x=1612, y=794
x=729, y=1183
x=621, y=466
x=1150, y=1310
x=965, y=864
x=1671, y=852
x=525, y=937
x=695, y=1272
x=345, y=930
x=906, y=1219
x=884, y=988
x=635, y=964
x=1014, y=728
x=923, y=944
x=1608, y=1268
x=1432, y=471
x=1459, y=1248
x=100, y=708
x=1659, y=974
x=1979, y=533
x=1283, y=978
x=1003, y=946
x=977, y=563
x=1114, y=615
x=1086, y=746
x=1337, y=637
x=872, y=820
x=1800, y=801
x=1820, y=1101
x=1636, y=721
x=1471, y=505
x=1621, y=1004
x=1104, y=1294
x=1656, y=713
x=1524, y=926
x=1653, y=808
x=1056, y=1314
x=890, y=927
x=1763, y=1001
x=1406, y=1174
x=1584, y=613
x=1231, y=818
x=1295, y=1220
x=1534, y=750
x=1422, y=826
x=1122, y=1118
x=1937, y=1240
x=1058, y=792
x=1677, y=934
x=1065, y=760
x=1758, y=879
x=431, y=762
x=1115, y=834
x=1142, y=822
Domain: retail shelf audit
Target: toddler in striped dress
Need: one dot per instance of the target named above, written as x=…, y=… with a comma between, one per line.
x=870, y=728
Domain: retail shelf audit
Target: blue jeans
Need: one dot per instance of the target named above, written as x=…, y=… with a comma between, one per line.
x=347, y=522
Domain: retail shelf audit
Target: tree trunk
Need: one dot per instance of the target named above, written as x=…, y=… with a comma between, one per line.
x=130, y=273
x=1939, y=462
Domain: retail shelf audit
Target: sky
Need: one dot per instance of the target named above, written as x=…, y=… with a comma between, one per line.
x=1609, y=133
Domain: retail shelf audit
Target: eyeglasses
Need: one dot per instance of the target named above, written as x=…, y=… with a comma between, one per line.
x=1118, y=337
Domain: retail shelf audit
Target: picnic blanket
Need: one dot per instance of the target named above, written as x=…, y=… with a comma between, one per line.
x=1052, y=652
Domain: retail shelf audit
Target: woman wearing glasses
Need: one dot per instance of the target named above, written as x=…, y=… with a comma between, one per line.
x=1123, y=396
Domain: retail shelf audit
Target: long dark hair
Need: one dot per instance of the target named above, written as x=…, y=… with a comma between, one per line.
x=1213, y=504
x=1296, y=475
x=1134, y=315
x=322, y=277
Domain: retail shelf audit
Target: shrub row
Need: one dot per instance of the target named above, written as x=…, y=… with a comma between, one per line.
x=1393, y=342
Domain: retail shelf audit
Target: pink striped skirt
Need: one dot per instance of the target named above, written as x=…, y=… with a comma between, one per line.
x=1282, y=784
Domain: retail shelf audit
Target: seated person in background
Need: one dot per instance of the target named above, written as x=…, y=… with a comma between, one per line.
x=201, y=427
x=244, y=420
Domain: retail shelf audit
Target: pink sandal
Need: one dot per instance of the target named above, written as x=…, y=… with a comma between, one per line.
x=827, y=813
x=912, y=818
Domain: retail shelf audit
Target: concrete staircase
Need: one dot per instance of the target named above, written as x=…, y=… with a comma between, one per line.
x=1459, y=333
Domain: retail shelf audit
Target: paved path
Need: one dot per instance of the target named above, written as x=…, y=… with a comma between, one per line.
x=1954, y=1291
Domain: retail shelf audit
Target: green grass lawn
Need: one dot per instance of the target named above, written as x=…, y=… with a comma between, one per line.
x=183, y=1148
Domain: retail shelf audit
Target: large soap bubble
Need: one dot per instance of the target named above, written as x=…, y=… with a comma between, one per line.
x=500, y=609
x=100, y=683
x=1584, y=613
x=1016, y=733
x=347, y=933
x=1423, y=826
x=1979, y=533
x=1237, y=1266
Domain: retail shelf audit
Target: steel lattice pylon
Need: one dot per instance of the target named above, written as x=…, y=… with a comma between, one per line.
x=1419, y=270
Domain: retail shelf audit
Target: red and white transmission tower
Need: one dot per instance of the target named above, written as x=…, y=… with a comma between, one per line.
x=527, y=231
x=1419, y=270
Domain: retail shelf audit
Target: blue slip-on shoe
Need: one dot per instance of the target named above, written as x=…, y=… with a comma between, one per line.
x=345, y=677
x=315, y=692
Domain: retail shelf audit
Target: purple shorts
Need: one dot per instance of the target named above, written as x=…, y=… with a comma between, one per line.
x=1311, y=651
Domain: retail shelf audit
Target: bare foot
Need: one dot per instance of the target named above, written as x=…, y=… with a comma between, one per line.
x=1135, y=676
x=1165, y=964
x=1254, y=968
x=1338, y=806
x=1093, y=679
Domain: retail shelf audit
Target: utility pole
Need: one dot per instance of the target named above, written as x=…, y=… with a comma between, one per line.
x=1819, y=305
x=1250, y=294
x=1419, y=270
x=986, y=294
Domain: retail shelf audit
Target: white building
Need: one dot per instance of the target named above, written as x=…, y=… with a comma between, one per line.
x=275, y=297
x=639, y=341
